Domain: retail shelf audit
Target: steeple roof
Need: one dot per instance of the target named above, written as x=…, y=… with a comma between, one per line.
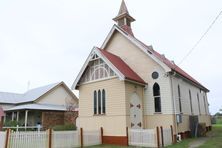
x=123, y=8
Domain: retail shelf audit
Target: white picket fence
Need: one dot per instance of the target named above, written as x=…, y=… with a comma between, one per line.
x=29, y=139
x=143, y=137
x=167, y=137
x=148, y=137
x=59, y=139
x=92, y=138
x=2, y=139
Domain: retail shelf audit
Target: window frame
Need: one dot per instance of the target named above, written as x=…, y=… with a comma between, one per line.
x=157, y=98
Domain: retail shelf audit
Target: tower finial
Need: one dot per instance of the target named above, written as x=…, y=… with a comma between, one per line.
x=124, y=19
x=123, y=8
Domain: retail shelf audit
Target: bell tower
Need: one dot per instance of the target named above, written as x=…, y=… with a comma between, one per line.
x=124, y=19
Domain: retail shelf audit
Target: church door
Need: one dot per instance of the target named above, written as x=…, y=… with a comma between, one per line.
x=135, y=112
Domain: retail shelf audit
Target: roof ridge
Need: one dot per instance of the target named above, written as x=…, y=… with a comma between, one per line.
x=52, y=84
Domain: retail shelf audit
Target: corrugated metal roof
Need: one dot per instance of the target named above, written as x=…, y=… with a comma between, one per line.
x=31, y=95
x=38, y=107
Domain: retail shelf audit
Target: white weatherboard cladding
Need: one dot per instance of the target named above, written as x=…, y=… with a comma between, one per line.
x=144, y=66
x=165, y=93
x=185, y=99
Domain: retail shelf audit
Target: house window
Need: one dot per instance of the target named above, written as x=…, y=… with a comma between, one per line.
x=104, y=101
x=198, y=99
x=157, y=99
x=179, y=97
x=95, y=102
x=100, y=102
x=191, y=108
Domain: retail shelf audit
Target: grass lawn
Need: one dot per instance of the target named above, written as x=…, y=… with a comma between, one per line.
x=216, y=140
x=182, y=144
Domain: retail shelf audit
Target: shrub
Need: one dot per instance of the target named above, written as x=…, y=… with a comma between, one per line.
x=66, y=127
x=11, y=123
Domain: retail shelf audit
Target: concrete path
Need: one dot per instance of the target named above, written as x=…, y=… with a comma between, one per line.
x=198, y=142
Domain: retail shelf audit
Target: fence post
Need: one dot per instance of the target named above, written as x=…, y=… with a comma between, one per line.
x=158, y=136
x=50, y=138
x=161, y=130
x=171, y=127
x=7, y=138
x=127, y=136
x=101, y=130
x=1, y=123
x=81, y=136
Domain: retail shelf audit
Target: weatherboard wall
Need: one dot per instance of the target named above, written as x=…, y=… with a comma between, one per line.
x=114, y=120
x=58, y=96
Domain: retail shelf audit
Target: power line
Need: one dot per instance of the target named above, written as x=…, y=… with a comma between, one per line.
x=205, y=33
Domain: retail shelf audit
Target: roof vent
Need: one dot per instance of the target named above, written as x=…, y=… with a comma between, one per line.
x=150, y=47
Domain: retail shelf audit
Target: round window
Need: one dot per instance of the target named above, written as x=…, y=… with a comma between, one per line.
x=155, y=75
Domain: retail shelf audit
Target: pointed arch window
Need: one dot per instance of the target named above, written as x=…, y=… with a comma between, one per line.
x=191, y=107
x=95, y=102
x=103, y=101
x=99, y=102
x=157, y=98
x=179, y=98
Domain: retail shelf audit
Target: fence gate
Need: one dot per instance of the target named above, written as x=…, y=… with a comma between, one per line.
x=143, y=137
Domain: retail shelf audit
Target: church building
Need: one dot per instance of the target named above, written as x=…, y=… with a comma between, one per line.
x=126, y=83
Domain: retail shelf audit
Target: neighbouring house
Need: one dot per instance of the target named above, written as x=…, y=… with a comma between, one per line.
x=49, y=105
x=126, y=83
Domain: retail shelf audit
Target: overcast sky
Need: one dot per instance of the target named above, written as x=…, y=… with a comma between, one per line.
x=47, y=41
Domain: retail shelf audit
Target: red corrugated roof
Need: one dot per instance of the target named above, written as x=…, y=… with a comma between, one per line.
x=122, y=67
x=171, y=65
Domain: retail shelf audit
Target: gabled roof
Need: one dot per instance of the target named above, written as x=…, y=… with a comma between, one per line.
x=29, y=96
x=162, y=60
x=122, y=70
x=122, y=67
